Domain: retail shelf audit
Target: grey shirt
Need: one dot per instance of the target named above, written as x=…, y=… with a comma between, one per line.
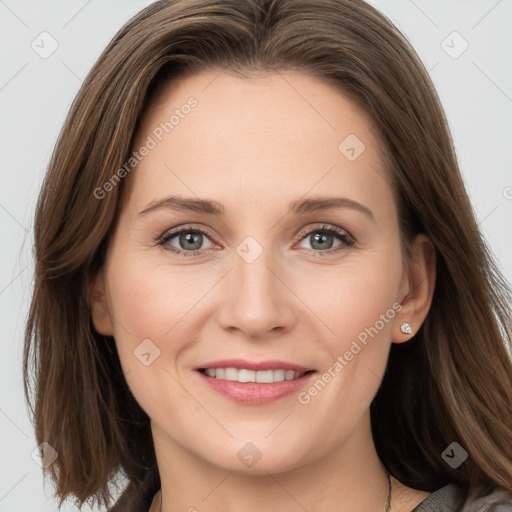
x=444, y=499
x=441, y=500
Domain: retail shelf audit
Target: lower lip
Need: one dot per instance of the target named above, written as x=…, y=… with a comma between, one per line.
x=252, y=393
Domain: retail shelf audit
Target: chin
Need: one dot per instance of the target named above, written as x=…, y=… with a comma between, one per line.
x=255, y=457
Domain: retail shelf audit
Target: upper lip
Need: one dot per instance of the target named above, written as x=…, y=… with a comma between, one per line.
x=273, y=364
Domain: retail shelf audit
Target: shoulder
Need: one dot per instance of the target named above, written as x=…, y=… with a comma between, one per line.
x=447, y=499
x=497, y=501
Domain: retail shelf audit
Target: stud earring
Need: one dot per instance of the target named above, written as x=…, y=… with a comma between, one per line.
x=406, y=328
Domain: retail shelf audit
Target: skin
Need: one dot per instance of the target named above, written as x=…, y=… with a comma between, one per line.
x=255, y=145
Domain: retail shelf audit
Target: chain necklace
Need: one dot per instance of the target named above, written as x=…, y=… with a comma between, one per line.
x=388, y=501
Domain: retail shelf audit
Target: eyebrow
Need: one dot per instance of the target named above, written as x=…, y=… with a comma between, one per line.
x=298, y=206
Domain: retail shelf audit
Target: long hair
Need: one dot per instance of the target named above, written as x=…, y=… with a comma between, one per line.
x=451, y=383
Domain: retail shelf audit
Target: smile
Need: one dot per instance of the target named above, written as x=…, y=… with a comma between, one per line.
x=246, y=375
x=251, y=382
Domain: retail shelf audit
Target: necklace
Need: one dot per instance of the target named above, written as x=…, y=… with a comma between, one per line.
x=388, y=501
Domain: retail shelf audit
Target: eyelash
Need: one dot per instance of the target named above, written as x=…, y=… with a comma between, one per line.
x=345, y=237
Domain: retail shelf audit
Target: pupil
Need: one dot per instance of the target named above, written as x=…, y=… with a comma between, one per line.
x=189, y=238
x=320, y=237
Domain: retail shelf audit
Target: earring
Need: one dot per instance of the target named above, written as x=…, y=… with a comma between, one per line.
x=406, y=328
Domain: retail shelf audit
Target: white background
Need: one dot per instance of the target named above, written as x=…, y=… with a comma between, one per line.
x=36, y=93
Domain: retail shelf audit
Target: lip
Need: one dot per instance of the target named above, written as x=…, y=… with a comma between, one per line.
x=255, y=365
x=253, y=393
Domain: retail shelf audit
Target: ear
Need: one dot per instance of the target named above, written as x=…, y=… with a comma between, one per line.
x=100, y=311
x=417, y=288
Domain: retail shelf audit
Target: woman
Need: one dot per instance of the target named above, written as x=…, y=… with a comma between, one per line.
x=257, y=369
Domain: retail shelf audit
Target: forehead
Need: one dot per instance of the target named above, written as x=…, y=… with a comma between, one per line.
x=280, y=134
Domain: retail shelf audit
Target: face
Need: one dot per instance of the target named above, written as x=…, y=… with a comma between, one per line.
x=267, y=279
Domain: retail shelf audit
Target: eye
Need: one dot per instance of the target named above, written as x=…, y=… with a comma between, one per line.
x=189, y=241
x=322, y=239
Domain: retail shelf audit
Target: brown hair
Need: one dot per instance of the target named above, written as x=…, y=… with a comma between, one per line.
x=451, y=382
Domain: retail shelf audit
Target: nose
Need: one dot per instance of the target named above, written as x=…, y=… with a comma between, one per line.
x=258, y=301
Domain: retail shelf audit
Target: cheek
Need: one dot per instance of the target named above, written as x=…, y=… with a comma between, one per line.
x=145, y=311
x=152, y=300
x=355, y=297
x=357, y=306
x=153, y=315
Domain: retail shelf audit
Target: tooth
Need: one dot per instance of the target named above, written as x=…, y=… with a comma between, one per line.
x=231, y=373
x=246, y=375
x=265, y=376
x=278, y=375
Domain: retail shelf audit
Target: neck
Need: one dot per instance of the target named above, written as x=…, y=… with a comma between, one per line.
x=352, y=477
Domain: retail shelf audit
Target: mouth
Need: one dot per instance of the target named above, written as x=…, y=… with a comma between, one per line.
x=246, y=375
x=254, y=383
